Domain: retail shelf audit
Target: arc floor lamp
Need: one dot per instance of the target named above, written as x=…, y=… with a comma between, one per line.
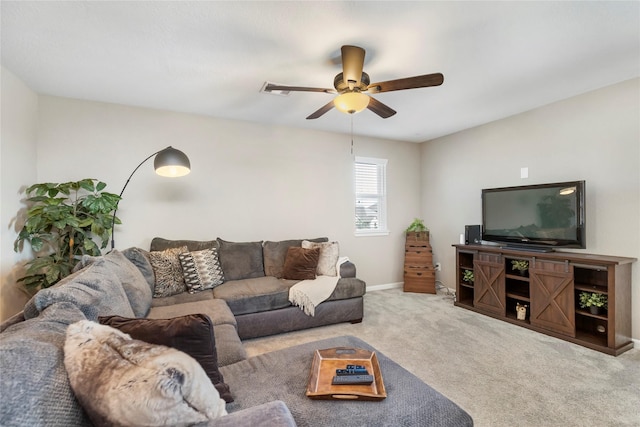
x=168, y=162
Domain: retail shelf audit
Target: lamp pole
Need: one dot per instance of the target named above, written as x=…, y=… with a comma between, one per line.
x=169, y=162
x=113, y=221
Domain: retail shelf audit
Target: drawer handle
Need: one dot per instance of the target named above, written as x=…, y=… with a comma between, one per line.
x=419, y=274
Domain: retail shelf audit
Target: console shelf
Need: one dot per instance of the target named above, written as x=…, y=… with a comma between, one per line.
x=550, y=290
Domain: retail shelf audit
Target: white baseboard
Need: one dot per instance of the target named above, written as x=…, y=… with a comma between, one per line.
x=384, y=286
x=636, y=343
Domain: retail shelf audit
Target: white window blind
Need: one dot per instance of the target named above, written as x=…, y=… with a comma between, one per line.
x=370, y=195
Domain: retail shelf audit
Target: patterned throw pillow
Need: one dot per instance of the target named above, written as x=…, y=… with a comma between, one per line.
x=329, y=253
x=201, y=270
x=168, y=272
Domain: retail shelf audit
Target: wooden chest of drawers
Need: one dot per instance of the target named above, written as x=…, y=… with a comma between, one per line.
x=419, y=274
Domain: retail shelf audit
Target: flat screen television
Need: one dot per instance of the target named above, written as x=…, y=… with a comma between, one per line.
x=536, y=217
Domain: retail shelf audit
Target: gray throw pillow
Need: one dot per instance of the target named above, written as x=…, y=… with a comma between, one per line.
x=96, y=290
x=133, y=282
x=241, y=260
x=140, y=258
x=35, y=385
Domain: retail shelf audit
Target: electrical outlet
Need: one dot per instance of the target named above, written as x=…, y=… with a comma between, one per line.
x=438, y=267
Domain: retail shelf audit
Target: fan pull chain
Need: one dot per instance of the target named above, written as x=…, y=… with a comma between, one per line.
x=351, y=134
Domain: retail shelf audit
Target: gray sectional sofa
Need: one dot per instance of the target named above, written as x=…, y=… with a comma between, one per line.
x=36, y=389
x=258, y=295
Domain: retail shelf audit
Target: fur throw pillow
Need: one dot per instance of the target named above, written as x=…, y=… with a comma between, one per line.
x=329, y=253
x=124, y=382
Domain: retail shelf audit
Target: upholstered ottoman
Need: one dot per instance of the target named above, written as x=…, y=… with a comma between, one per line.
x=283, y=375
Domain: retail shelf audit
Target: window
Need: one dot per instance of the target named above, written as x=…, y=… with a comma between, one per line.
x=371, y=196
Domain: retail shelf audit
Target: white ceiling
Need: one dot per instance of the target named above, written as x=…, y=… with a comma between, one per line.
x=212, y=57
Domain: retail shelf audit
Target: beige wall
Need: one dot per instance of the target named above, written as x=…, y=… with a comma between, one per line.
x=19, y=109
x=248, y=181
x=595, y=137
x=253, y=181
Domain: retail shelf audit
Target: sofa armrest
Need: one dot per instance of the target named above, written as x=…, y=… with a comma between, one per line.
x=271, y=414
x=347, y=269
x=16, y=318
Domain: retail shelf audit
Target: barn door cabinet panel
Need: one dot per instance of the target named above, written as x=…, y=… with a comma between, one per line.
x=489, y=273
x=546, y=296
x=552, y=296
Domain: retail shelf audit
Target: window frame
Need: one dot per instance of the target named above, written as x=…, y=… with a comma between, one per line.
x=381, y=177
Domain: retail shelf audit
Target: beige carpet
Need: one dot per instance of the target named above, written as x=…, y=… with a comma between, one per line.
x=501, y=374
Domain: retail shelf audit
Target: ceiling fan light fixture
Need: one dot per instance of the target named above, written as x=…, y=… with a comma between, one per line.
x=351, y=102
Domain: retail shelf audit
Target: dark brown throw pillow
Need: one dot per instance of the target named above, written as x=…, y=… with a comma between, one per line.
x=300, y=263
x=191, y=334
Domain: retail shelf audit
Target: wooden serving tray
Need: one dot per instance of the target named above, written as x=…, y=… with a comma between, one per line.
x=323, y=369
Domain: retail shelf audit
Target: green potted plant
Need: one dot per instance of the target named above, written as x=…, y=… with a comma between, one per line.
x=468, y=276
x=520, y=265
x=594, y=301
x=63, y=222
x=417, y=230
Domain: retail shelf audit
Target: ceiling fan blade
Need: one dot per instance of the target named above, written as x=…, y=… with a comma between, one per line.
x=426, y=80
x=270, y=87
x=380, y=109
x=352, y=63
x=321, y=111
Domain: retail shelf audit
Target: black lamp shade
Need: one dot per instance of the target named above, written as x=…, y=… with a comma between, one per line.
x=172, y=163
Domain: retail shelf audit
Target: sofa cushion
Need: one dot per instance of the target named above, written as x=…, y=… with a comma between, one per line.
x=160, y=244
x=201, y=270
x=133, y=282
x=140, y=258
x=241, y=260
x=216, y=309
x=254, y=295
x=274, y=254
x=182, y=298
x=301, y=263
x=95, y=290
x=168, y=271
x=122, y=381
x=231, y=348
x=228, y=344
x=329, y=253
x=192, y=334
x=270, y=414
x=35, y=386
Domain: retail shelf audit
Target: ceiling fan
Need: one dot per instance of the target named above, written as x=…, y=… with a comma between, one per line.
x=353, y=85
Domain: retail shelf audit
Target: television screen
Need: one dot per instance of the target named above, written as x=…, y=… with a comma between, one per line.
x=536, y=216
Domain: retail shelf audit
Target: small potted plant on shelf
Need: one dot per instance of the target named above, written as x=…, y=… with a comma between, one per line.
x=417, y=230
x=594, y=301
x=520, y=265
x=468, y=276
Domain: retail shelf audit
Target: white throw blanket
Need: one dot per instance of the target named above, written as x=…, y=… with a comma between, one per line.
x=307, y=294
